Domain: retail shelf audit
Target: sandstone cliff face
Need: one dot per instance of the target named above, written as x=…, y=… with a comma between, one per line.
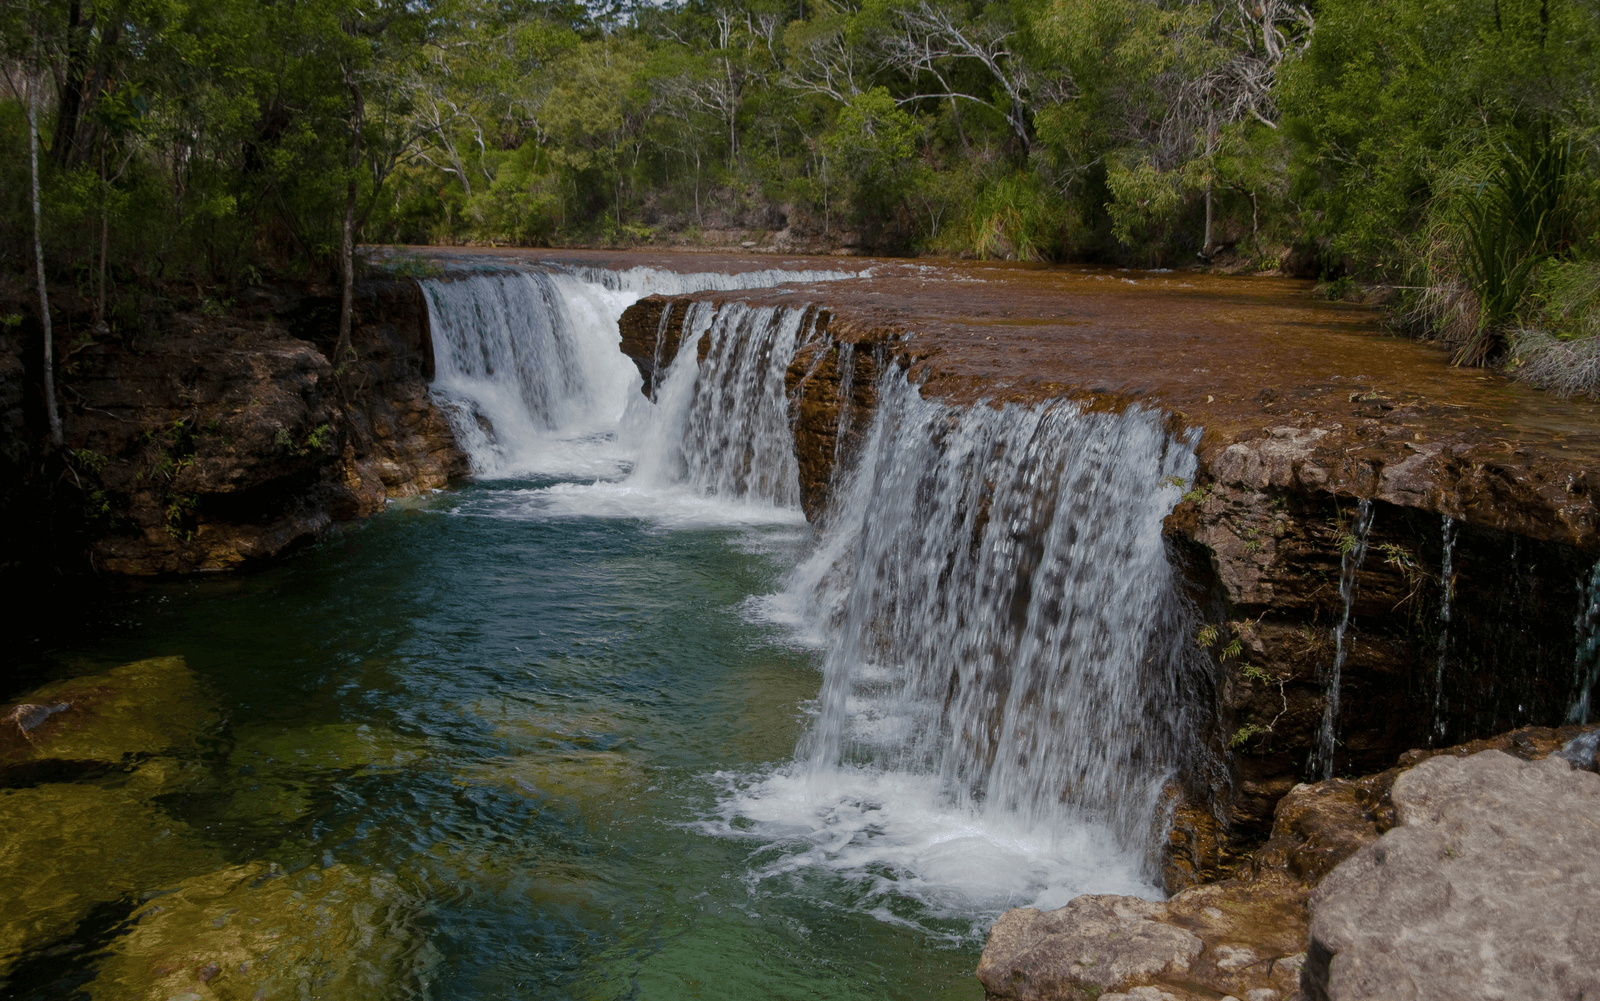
x=208, y=442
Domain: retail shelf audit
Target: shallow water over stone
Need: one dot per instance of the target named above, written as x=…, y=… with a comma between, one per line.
x=503, y=729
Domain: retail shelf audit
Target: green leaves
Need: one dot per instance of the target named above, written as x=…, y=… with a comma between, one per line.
x=1513, y=223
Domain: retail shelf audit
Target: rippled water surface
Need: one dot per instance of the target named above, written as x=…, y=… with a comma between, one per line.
x=530, y=721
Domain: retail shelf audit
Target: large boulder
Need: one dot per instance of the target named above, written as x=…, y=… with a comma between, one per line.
x=1201, y=945
x=1488, y=888
x=1244, y=937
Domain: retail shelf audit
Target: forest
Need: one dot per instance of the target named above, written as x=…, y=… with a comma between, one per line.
x=1441, y=159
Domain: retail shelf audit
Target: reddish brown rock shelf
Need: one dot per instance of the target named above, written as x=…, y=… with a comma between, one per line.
x=1303, y=407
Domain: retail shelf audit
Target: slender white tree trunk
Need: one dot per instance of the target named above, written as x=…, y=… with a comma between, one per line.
x=347, y=260
x=38, y=260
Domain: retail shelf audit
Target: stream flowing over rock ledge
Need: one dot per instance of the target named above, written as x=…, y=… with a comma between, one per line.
x=1321, y=415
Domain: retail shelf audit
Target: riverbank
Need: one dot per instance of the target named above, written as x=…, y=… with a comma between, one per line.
x=206, y=435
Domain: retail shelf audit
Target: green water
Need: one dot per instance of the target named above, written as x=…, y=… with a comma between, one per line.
x=513, y=724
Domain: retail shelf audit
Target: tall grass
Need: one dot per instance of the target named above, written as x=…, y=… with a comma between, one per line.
x=1015, y=218
x=1513, y=223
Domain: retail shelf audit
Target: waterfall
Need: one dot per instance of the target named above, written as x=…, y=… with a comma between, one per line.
x=526, y=364
x=1005, y=651
x=1586, y=658
x=1353, y=550
x=1007, y=675
x=528, y=369
x=721, y=427
x=1447, y=584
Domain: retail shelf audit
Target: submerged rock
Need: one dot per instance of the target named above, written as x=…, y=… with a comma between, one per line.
x=288, y=765
x=1486, y=889
x=253, y=932
x=68, y=847
x=139, y=708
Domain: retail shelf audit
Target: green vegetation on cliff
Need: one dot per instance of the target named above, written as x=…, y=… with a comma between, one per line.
x=1445, y=154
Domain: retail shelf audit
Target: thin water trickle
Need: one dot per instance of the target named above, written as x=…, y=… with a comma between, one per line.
x=1586, y=661
x=1353, y=547
x=1447, y=588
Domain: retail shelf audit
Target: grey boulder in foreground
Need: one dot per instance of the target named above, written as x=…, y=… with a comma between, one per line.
x=1488, y=888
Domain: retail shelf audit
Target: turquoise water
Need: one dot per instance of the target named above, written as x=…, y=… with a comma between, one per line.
x=526, y=718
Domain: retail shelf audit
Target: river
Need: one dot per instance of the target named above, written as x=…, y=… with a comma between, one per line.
x=611, y=720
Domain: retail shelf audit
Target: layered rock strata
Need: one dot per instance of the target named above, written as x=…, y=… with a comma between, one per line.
x=207, y=442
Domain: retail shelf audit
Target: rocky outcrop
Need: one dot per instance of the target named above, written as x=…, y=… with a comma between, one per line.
x=205, y=442
x=1455, y=631
x=1254, y=932
x=1481, y=532
x=1486, y=889
x=652, y=331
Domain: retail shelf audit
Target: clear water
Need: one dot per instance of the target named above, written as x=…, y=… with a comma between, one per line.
x=569, y=698
x=614, y=722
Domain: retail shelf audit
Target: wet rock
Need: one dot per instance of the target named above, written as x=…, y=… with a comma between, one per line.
x=1103, y=946
x=1583, y=752
x=68, y=847
x=1486, y=888
x=253, y=931
x=832, y=385
x=140, y=708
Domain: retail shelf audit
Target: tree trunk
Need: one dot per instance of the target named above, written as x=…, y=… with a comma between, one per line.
x=347, y=257
x=1205, y=248
x=105, y=245
x=38, y=259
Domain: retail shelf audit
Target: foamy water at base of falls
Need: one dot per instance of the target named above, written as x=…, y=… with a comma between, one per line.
x=611, y=720
x=885, y=788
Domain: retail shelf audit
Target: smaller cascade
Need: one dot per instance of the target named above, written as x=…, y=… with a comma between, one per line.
x=526, y=364
x=662, y=327
x=1586, y=658
x=1447, y=583
x=847, y=379
x=721, y=427
x=1354, y=549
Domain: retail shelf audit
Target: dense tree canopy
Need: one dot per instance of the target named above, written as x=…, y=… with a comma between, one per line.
x=1445, y=148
